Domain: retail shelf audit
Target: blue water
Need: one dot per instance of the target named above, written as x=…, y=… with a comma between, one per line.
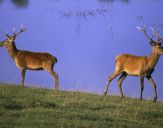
x=85, y=36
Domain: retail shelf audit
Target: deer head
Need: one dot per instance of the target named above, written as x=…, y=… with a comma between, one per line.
x=157, y=45
x=10, y=39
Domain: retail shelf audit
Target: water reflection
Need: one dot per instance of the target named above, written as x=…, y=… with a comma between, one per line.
x=81, y=14
x=140, y=18
x=18, y=3
x=111, y=1
x=84, y=14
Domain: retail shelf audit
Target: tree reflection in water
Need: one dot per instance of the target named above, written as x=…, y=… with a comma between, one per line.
x=18, y=3
x=111, y=1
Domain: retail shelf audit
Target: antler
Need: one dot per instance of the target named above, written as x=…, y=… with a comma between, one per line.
x=7, y=34
x=145, y=32
x=161, y=40
x=158, y=36
x=21, y=30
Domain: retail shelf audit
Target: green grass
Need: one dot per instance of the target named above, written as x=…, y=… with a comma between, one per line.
x=42, y=108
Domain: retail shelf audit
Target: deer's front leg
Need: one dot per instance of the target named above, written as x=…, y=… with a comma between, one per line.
x=141, y=86
x=23, y=71
x=154, y=86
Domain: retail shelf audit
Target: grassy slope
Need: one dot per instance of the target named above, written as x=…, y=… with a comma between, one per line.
x=34, y=108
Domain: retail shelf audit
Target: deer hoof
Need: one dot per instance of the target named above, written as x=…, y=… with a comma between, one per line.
x=155, y=98
x=56, y=91
x=121, y=96
x=105, y=93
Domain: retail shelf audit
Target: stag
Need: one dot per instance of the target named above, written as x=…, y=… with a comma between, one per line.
x=29, y=60
x=142, y=66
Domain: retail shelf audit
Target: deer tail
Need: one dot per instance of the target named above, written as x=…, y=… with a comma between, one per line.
x=55, y=59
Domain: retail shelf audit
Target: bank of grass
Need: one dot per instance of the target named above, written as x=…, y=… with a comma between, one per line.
x=41, y=108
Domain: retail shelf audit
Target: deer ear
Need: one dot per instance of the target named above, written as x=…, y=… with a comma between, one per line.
x=152, y=43
x=159, y=44
x=14, y=37
x=7, y=35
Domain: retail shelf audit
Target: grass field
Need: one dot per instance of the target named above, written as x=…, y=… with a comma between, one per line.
x=41, y=108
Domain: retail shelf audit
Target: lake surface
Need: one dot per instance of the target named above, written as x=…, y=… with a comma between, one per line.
x=85, y=36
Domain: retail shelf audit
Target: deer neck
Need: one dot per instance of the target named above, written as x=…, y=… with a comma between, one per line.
x=153, y=59
x=12, y=51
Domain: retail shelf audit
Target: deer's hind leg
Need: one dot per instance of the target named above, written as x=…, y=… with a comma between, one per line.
x=55, y=76
x=120, y=80
x=114, y=75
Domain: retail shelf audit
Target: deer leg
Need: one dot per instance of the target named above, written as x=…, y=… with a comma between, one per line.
x=55, y=75
x=154, y=86
x=142, y=86
x=114, y=75
x=23, y=71
x=120, y=80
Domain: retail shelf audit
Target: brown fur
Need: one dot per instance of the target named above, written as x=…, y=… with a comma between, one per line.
x=143, y=66
x=27, y=59
x=30, y=60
